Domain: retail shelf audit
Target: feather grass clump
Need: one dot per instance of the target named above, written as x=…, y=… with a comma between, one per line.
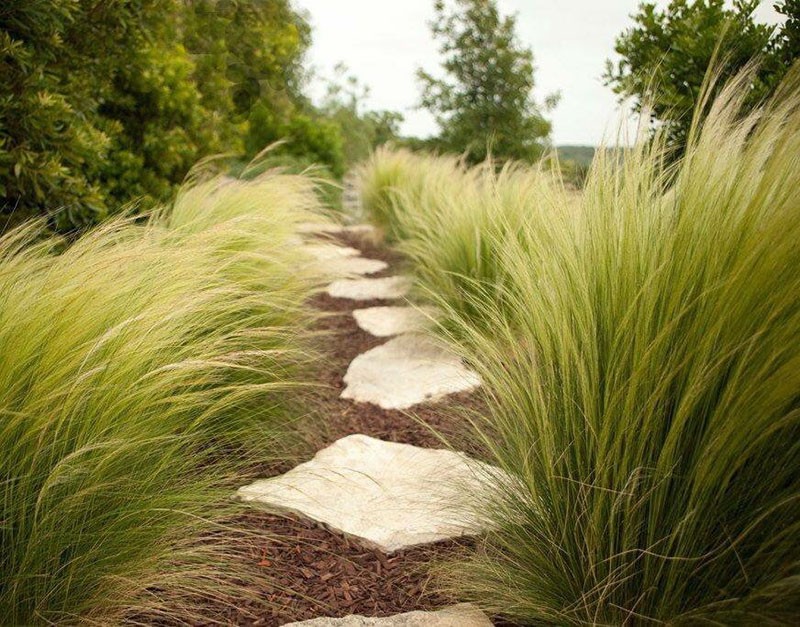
x=144, y=372
x=641, y=349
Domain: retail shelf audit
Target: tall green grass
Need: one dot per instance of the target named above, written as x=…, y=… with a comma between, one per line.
x=641, y=347
x=144, y=373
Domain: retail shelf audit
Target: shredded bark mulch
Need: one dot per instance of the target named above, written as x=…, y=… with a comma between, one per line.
x=316, y=572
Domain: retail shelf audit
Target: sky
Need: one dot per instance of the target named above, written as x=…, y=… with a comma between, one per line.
x=383, y=42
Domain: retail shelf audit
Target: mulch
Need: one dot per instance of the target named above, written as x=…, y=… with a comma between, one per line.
x=315, y=571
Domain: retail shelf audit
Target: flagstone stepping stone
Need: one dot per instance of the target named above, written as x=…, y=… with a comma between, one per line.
x=390, y=496
x=360, y=229
x=318, y=227
x=388, y=321
x=332, y=228
x=387, y=288
x=405, y=371
x=354, y=265
x=326, y=252
x=462, y=615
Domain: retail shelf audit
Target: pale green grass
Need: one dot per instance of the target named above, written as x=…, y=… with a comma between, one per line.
x=641, y=347
x=144, y=372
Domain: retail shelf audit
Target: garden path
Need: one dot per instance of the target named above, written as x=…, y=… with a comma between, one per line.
x=357, y=524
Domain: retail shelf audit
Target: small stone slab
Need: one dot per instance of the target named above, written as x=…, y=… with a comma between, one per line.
x=462, y=615
x=333, y=229
x=388, y=321
x=327, y=252
x=361, y=229
x=386, y=288
x=388, y=495
x=318, y=227
x=355, y=266
x=405, y=371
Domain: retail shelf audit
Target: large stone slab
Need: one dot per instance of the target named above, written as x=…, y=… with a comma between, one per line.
x=405, y=371
x=390, y=496
x=388, y=321
x=387, y=288
x=462, y=615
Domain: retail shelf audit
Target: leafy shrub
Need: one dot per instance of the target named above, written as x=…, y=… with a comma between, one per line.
x=105, y=103
x=49, y=149
x=311, y=139
x=642, y=364
x=664, y=55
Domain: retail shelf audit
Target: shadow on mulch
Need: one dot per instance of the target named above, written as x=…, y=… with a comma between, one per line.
x=318, y=572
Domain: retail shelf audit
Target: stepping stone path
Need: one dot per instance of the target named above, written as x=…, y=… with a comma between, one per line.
x=405, y=371
x=388, y=321
x=390, y=496
x=387, y=495
x=463, y=615
x=387, y=288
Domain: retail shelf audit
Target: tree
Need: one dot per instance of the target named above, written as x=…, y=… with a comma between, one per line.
x=362, y=130
x=665, y=55
x=484, y=103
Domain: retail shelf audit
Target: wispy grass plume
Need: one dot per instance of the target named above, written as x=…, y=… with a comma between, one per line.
x=641, y=345
x=144, y=372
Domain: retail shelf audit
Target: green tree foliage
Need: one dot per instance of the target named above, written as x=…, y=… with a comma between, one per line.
x=54, y=59
x=362, y=130
x=484, y=102
x=665, y=55
x=786, y=45
x=106, y=102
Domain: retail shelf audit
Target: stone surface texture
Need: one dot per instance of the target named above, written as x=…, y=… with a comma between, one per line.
x=390, y=496
x=462, y=615
x=354, y=266
x=319, y=227
x=327, y=252
x=366, y=230
x=388, y=321
x=387, y=288
x=405, y=371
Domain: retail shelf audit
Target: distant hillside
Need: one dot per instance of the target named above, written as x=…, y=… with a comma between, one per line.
x=581, y=155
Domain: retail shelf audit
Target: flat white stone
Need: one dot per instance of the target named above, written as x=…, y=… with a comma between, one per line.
x=462, y=615
x=361, y=229
x=390, y=496
x=368, y=289
x=319, y=227
x=327, y=252
x=388, y=321
x=405, y=371
x=332, y=228
x=354, y=265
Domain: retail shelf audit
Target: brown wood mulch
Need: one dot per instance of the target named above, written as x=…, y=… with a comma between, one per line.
x=315, y=571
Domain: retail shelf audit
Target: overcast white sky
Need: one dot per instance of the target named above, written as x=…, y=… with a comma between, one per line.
x=383, y=42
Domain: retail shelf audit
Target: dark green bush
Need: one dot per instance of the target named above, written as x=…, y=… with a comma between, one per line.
x=104, y=103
